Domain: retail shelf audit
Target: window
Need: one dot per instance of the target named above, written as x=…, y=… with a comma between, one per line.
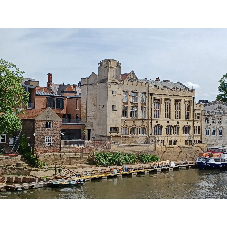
x=133, y=112
x=162, y=142
x=187, y=110
x=167, y=109
x=157, y=130
x=156, y=108
x=125, y=96
x=51, y=102
x=207, y=131
x=177, y=109
x=133, y=131
x=197, y=130
x=143, y=97
x=197, y=116
x=48, y=124
x=170, y=142
x=143, y=112
x=169, y=130
x=207, y=120
x=220, y=131
x=114, y=129
x=124, y=131
x=176, y=130
x=219, y=120
x=188, y=142
x=114, y=108
x=134, y=96
x=48, y=140
x=77, y=107
x=186, y=129
x=60, y=103
x=125, y=111
x=213, y=120
x=142, y=131
x=213, y=132
x=3, y=138
x=114, y=93
x=175, y=142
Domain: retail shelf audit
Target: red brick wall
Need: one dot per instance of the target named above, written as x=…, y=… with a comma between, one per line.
x=71, y=107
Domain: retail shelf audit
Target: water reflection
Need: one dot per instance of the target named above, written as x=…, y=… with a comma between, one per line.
x=183, y=184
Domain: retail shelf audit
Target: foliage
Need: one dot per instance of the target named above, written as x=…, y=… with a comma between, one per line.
x=25, y=150
x=145, y=158
x=12, y=97
x=118, y=158
x=222, y=89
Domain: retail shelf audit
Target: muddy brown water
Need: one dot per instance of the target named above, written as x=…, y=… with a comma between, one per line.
x=182, y=184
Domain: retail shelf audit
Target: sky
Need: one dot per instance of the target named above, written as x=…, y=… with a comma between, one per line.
x=194, y=57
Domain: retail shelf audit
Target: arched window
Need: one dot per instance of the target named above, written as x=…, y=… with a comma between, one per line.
x=157, y=130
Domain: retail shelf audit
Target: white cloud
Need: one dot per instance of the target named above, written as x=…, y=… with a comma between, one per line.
x=191, y=85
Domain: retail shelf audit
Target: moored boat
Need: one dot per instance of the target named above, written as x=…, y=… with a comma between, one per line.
x=212, y=161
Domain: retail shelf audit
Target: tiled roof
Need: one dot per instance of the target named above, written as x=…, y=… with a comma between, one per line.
x=31, y=114
x=124, y=76
x=44, y=89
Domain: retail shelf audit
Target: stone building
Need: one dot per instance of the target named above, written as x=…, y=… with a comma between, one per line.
x=214, y=123
x=128, y=110
x=42, y=128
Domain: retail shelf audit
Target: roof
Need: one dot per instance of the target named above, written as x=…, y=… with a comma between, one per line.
x=124, y=76
x=43, y=89
x=45, y=94
x=31, y=114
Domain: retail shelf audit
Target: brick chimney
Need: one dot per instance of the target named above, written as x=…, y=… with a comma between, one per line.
x=49, y=83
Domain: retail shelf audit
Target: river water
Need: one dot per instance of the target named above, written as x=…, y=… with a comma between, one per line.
x=182, y=184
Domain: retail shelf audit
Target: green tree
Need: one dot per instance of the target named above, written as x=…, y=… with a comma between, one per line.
x=222, y=89
x=12, y=97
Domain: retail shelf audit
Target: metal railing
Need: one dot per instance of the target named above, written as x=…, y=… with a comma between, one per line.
x=71, y=121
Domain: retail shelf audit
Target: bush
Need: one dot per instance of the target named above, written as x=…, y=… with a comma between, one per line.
x=118, y=158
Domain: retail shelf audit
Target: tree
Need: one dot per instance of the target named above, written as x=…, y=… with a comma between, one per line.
x=13, y=97
x=222, y=89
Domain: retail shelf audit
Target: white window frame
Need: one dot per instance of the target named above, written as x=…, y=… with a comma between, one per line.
x=133, y=131
x=220, y=130
x=49, y=124
x=142, y=131
x=207, y=131
x=125, y=96
x=48, y=140
x=143, y=97
x=143, y=112
x=134, y=97
x=3, y=137
x=214, y=130
x=133, y=112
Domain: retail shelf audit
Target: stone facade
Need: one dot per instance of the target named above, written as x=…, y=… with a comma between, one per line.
x=128, y=110
x=214, y=121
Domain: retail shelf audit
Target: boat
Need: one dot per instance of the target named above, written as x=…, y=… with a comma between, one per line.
x=212, y=160
x=62, y=183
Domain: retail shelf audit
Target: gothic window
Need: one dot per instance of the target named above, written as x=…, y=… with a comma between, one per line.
x=207, y=120
x=219, y=120
x=157, y=130
x=214, y=132
x=156, y=108
x=142, y=131
x=167, y=109
x=125, y=111
x=133, y=131
x=176, y=130
x=186, y=129
x=114, y=129
x=169, y=130
x=124, y=131
x=177, y=109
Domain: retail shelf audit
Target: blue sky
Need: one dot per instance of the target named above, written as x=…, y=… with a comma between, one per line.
x=195, y=57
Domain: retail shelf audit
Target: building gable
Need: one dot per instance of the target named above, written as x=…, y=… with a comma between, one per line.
x=48, y=114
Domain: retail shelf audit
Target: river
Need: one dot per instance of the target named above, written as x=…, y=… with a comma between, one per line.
x=182, y=184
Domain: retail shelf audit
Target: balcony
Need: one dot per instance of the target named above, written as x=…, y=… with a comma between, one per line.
x=71, y=121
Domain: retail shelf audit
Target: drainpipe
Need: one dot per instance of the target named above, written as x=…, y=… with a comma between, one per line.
x=193, y=120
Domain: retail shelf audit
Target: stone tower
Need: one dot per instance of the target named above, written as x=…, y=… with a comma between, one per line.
x=109, y=70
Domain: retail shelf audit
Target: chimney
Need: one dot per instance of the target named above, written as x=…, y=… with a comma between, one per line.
x=49, y=83
x=157, y=79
